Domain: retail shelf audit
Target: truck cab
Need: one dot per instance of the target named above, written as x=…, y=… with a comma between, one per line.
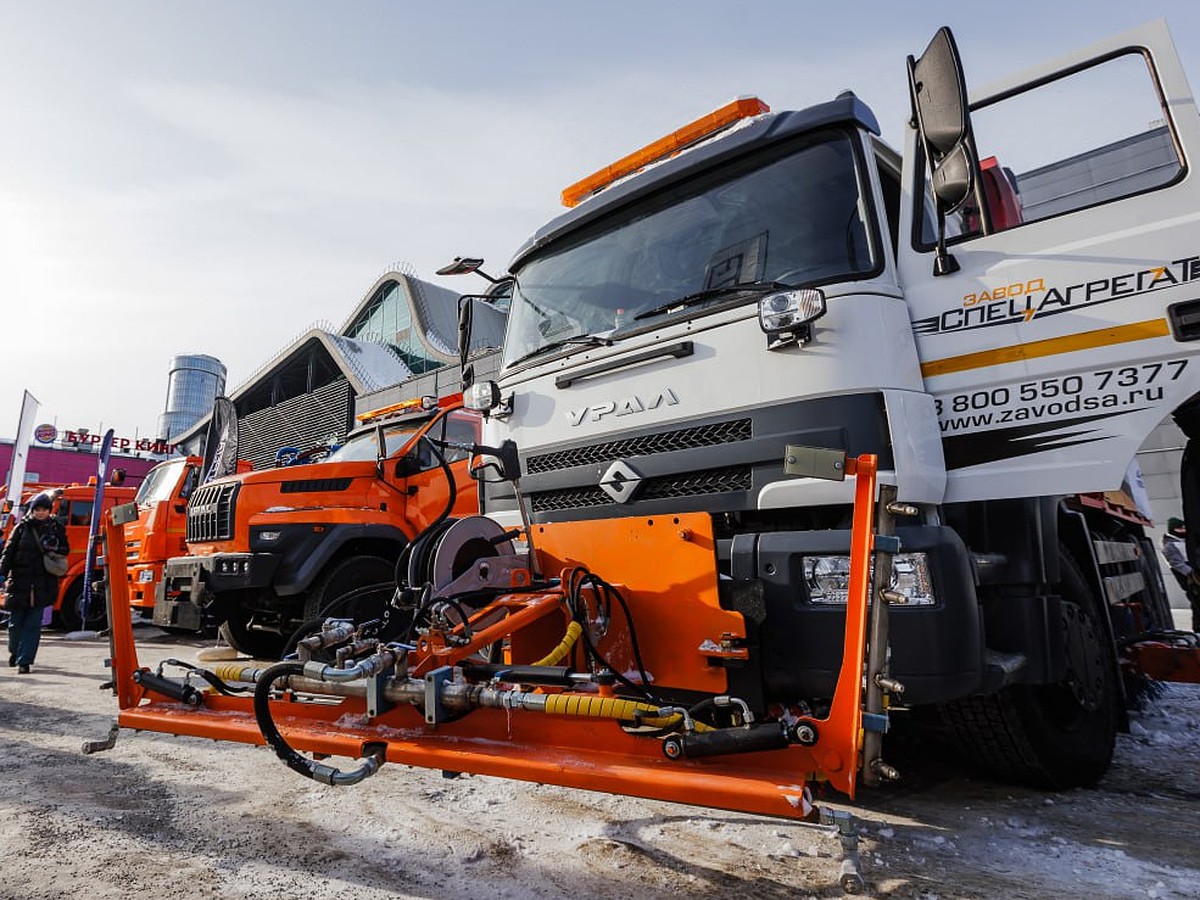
x=271, y=549
x=1001, y=313
x=158, y=532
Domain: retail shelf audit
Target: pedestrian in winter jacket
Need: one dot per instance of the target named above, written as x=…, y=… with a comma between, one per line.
x=1174, y=547
x=30, y=587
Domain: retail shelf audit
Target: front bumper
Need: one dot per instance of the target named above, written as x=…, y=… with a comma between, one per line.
x=937, y=651
x=197, y=578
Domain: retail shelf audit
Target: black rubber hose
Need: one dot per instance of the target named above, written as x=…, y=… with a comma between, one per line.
x=400, y=570
x=262, y=715
x=220, y=686
x=578, y=579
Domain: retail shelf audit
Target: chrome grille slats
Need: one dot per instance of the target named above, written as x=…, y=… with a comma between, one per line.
x=713, y=481
x=646, y=445
x=210, y=513
x=686, y=484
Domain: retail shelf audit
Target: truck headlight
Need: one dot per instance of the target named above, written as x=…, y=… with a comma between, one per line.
x=145, y=575
x=787, y=316
x=269, y=535
x=828, y=579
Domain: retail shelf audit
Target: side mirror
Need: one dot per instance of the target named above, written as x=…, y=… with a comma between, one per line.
x=466, y=309
x=939, y=99
x=406, y=466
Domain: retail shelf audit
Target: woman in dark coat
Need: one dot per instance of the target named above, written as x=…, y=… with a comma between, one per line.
x=30, y=587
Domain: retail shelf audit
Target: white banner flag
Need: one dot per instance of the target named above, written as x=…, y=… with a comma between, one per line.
x=20, y=457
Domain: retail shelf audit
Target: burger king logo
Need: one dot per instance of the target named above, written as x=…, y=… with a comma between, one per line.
x=45, y=434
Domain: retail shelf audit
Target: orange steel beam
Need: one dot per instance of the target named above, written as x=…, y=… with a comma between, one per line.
x=1162, y=662
x=522, y=609
x=532, y=746
x=590, y=755
x=121, y=645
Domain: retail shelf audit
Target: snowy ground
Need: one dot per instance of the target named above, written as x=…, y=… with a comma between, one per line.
x=159, y=816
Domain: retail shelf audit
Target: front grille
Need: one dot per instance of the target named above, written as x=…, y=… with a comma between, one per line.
x=682, y=439
x=714, y=481
x=690, y=484
x=210, y=513
x=313, y=485
x=571, y=498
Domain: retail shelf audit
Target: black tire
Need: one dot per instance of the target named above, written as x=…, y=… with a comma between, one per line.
x=325, y=599
x=241, y=637
x=1053, y=736
x=70, y=615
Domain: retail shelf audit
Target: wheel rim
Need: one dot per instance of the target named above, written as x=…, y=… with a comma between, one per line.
x=1081, y=691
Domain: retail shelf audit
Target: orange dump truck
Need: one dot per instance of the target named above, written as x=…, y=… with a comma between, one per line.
x=269, y=550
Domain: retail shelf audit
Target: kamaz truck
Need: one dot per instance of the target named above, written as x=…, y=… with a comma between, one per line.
x=158, y=534
x=271, y=549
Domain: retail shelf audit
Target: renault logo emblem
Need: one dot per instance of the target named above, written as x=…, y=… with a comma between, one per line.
x=620, y=481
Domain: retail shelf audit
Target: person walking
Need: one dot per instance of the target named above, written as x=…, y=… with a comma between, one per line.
x=31, y=588
x=1174, y=548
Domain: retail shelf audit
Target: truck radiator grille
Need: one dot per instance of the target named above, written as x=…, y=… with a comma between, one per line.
x=682, y=439
x=210, y=513
x=313, y=485
x=689, y=484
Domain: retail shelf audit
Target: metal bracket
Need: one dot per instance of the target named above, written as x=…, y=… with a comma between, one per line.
x=887, y=543
x=814, y=462
x=108, y=743
x=124, y=513
x=434, y=682
x=377, y=703
x=875, y=722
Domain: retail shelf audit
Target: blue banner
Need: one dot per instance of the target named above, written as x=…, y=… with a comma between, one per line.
x=94, y=530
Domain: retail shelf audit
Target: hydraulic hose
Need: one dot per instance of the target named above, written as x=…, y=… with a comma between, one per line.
x=401, y=569
x=559, y=653
x=589, y=707
x=307, y=767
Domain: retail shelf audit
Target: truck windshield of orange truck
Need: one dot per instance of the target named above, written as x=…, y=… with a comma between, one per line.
x=160, y=483
x=363, y=445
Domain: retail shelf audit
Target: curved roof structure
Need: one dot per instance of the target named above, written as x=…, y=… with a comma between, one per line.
x=304, y=394
x=419, y=321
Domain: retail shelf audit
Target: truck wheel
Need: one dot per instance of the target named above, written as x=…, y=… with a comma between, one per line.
x=252, y=642
x=326, y=597
x=69, y=616
x=1054, y=736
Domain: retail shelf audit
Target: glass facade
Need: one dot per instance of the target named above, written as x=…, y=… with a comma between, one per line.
x=194, y=382
x=388, y=319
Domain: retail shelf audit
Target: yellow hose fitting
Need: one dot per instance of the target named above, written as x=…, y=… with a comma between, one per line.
x=235, y=672
x=559, y=653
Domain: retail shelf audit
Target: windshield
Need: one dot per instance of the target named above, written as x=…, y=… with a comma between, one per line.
x=793, y=216
x=364, y=445
x=160, y=483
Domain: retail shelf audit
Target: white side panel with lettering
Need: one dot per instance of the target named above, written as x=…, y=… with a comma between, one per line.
x=1064, y=336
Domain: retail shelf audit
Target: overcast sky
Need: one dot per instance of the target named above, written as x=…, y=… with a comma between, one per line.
x=215, y=176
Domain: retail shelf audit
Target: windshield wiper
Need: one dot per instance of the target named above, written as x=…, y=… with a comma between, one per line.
x=754, y=287
x=589, y=340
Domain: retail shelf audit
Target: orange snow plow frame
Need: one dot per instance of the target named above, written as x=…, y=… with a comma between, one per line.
x=665, y=567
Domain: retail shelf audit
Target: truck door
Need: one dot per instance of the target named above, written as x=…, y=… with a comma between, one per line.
x=426, y=481
x=1069, y=325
